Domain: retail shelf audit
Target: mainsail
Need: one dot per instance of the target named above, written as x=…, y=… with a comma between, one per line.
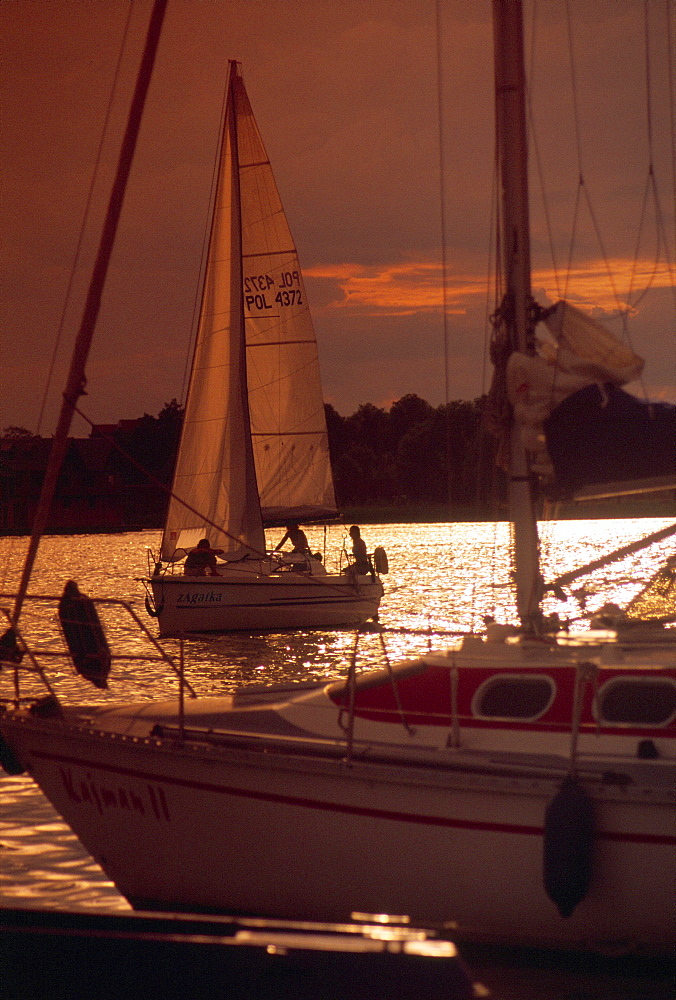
x=254, y=448
x=286, y=404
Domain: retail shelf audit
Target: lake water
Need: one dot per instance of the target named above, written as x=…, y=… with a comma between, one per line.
x=443, y=578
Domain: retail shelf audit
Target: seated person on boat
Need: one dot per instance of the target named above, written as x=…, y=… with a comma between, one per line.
x=298, y=539
x=300, y=553
x=202, y=560
x=362, y=564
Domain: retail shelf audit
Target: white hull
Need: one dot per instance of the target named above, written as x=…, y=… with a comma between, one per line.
x=252, y=602
x=438, y=835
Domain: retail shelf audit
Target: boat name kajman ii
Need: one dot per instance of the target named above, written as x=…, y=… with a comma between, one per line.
x=104, y=797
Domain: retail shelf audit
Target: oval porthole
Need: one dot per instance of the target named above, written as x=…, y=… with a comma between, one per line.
x=514, y=696
x=638, y=701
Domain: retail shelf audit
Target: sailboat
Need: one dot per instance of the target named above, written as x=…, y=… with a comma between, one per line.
x=254, y=446
x=518, y=786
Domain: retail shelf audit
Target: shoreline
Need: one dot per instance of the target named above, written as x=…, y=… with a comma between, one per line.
x=429, y=514
x=442, y=513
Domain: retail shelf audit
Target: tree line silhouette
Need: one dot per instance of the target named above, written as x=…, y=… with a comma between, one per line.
x=415, y=459
x=413, y=454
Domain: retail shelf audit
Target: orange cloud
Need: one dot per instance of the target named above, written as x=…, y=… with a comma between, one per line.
x=396, y=290
x=414, y=287
x=613, y=286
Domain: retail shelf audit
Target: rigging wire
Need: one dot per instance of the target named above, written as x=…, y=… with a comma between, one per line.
x=494, y=291
x=442, y=226
x=442, y=230
x=651, y=183
x=78, y=249
x=442, y=199
x=85, y=220
x=582, y=189
x=75, y=386
x=533, y=142
x=624, y=306
x=491, y=286
x=545, y=529
x=672, y=105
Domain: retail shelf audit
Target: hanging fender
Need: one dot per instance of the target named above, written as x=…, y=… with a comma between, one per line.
x=380, y=561
x=153, y=612
x=568, y=846
x=9, y=761
x=84, y=635
x=10, y=651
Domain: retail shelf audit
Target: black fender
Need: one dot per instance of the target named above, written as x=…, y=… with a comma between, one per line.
x=10, y=651
x=153, y=612
x=9, y=761
x=568, y=846
x=84, y=635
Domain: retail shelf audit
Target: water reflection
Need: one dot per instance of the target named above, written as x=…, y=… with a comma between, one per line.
x=42, y=862
x=443, y=577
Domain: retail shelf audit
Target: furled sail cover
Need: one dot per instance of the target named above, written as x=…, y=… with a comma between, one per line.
x=286, y=405
x=577, y=424
x=215, y=468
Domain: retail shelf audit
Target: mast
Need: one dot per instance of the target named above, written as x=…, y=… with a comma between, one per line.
x=76, y=379
x=241, y=446
x=516, y=310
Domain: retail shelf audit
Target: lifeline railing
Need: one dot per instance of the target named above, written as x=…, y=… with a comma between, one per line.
x=348, y=727
x=23, y=648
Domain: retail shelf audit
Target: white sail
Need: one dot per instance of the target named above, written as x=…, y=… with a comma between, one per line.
x=214, y=470
x=285, y=396
x=254, y=433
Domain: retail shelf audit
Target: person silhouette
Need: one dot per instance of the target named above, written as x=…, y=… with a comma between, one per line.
x=362, y=563
x=297, y=537
x=201, y=559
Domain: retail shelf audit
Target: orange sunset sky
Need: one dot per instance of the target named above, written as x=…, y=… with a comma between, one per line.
x=345, y=94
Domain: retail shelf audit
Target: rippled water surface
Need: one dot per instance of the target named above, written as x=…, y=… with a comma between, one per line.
x=443, y=578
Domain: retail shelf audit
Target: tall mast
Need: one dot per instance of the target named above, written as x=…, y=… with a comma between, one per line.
x=250, y=526
x=516, y=312
x=76, y=378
